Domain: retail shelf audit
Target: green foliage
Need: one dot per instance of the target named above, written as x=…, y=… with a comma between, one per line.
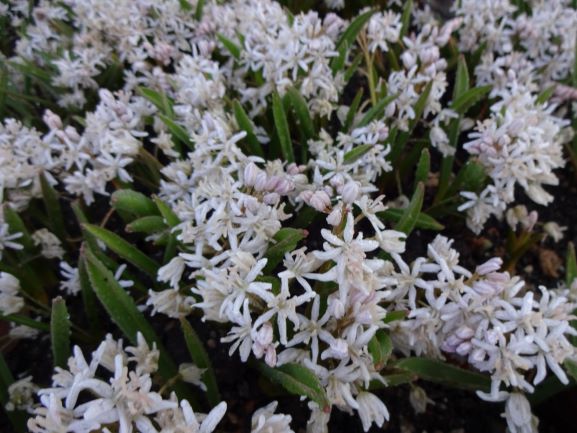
x=60, y=332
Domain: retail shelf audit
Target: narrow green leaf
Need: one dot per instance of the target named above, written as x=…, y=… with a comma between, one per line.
x=53, y=208
x=149, y=224
x=424, y=221
x=282, y=128
x=244, y=123
x=299, y=380
x=60, y=332
x=574, y=72
x=353, y=110
x=286, y=239
x=201, y=360
x=356, y=153
x=133, y=202
x=437, y=371
x=571, y=368
x=177, y=131
x=167, y=213
x=17, y=418
x=471, y=177
x=123, y=311
x=301, y=109
x=185, y=6
x=233, y=48
x=26, y=321
x=89, y=300
x=380, y=348
x=462, y=81
x=199, y=10
x=124, y=249
x=160, y=100
x=352, y=69
x=570, y=264
x=406, y=18
x=348, y=38
x=545, y=95
x=462, y=104
x=407, y=222
x=16, y=225
x=423, y=167
x=376, y=111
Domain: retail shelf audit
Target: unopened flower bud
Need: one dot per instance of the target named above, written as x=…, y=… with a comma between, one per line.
x=464, y=348
x=284, y=186
x=335, y=216
x=260, y=181
x=489, y=266
x=272, y=183
x=271, y=198
x=350, y=192
x=464, y=332
x=320, y=200
x=251, y=172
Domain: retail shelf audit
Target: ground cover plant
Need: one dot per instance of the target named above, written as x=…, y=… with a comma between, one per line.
x=289, y=216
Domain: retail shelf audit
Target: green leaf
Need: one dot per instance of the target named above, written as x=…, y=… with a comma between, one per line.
x=410, y=215
x=123, y=311
x=574, y=73
x=282, y=128
x=348, y=38
x=16, y=225
x=26, y=321
x=570, y=265
x=124, y=249
x=60, y=332
x=571, y=368
x=149, y=224
x=199, y=10
x=424, y=221
x=17, y=418
x=53, y=208
x=160, y=100
x=167, y=213
x=380, y=348
x=301, y=109
x=462, y=81
x=352, y=69
x=299, y=380
x=356, y=153
x=244, y=123
x=439, y=372
x=545, y=95
x=471, y=177
x=89, y=300
x=185, y=6
x=133, y=202
x=462, y=104
x=286, y=239
x=353, y=110
x=423, y=167
x=201, y=360
x=177, y=131
x=233, y=48
x=406, y=18
x=376, y=111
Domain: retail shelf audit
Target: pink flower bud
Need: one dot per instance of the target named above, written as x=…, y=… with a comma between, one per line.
x=320, y=200
x=464, y=348
x=465, y=333
x=260, y=181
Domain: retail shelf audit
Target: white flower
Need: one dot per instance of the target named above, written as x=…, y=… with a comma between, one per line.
x=7, y=239
x=20, y=394
x=190, y=373
x=10, y=302
x=172, y=271
x=71, y=283
x=264, y=420
x=50, y=244
x=518, y=414
x=371, y=410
